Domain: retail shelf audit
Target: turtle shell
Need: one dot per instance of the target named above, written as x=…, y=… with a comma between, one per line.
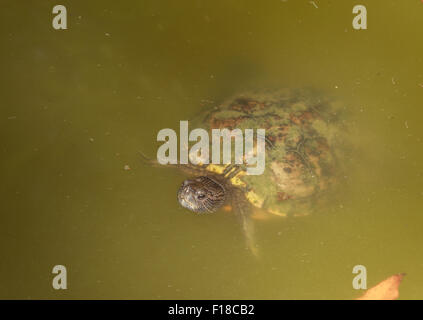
x=303, y=131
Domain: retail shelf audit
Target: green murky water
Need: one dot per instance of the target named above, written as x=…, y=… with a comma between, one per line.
x=77, y=105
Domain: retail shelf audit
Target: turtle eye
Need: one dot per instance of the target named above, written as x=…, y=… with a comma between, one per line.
x=201, y=196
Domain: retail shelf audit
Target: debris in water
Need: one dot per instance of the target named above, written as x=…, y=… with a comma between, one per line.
x=314, y=4
x=91, y=139
x=385, y=290
x=406, y=124
x=126, y=167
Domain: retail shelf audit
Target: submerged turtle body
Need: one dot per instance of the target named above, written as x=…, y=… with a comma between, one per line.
x=302, y=134
x=303, y=144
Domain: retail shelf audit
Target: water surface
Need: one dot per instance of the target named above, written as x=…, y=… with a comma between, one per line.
x=77, y=106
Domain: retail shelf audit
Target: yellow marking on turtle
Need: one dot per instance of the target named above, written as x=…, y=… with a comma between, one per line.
x=251, y=196
x=236, y=180
x=216, y=168
x=227, y=208
x=219, y=169
x=254, y=199
x=259, y=214
x=276, y=212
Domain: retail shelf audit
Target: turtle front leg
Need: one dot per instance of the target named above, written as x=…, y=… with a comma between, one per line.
x=244, y=211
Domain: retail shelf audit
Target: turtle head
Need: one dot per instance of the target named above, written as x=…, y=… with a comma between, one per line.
x=201, y=194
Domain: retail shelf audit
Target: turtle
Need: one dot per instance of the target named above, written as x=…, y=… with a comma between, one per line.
x=303, y=138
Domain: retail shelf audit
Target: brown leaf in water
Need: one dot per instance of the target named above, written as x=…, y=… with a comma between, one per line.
x=385, y=290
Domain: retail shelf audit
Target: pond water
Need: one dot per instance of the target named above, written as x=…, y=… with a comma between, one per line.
x=79, y=104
